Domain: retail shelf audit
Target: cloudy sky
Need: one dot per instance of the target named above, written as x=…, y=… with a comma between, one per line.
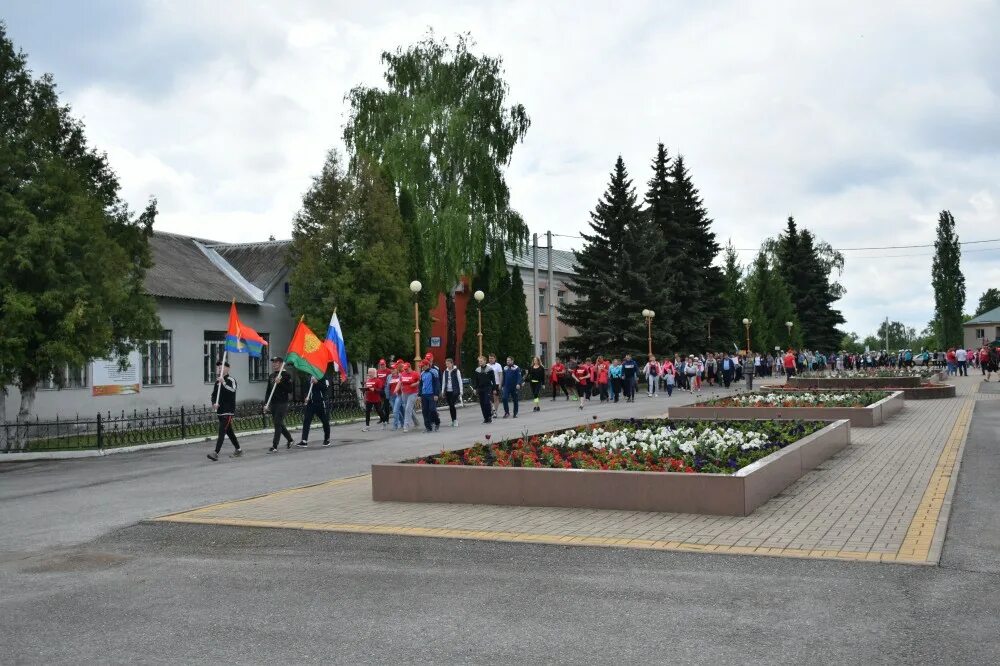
x=861, y=119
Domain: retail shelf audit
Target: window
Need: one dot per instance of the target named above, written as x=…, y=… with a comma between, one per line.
x=157, y=361
x=561, y=296
x=541, y=301
x=980, y=333
x=544, y=352
x=259, y=368
x=72, y=376
x=997, y=335
x=215, y=344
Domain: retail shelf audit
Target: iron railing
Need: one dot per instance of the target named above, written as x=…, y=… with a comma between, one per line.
x=112, y=430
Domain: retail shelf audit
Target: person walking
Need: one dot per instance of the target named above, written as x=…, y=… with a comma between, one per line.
x=557, y=377
x=652, y=372
x=315, y=406
x=630, y=377
x=382, y=372
x=430, y=387
x=789, y=363
x=484, y=384
x=512, y=380
x=409, y=382
x=374, y=392
x=224, y=403
x=748, y=370
x=497, y=370
x=962, y=358
x=581, y=375
x=396, y=396
x=615, y=374
x=279, y=388
x=536, y=380
x=451, y=388
x=669, y=377
x=601, y=377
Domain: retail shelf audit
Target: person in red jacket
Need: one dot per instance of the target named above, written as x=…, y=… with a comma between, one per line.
x=409, y=382
x=557, y=377
x=601, y=377
x=581, y=374
x=374, y=394
x=789, y=363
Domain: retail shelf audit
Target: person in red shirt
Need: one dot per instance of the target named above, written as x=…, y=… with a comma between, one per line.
x=557, y=377
x=952, y=360
x=789, y=363
x=581, y=374
x=409, y=383
x=374, y=395
x=601, y=377
x=382, y=372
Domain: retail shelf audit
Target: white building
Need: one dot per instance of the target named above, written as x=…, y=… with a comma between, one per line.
x=194, y=281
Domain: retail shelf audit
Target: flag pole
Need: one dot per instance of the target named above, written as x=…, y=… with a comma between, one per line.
x=218, y=385
x=280, y=370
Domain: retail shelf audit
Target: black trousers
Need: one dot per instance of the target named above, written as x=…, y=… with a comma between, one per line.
x=616, y=387
x=486, y=404
x=278, y=413
x=451, y=397
x=226, y=428
x=536, y=388
x=324, y=416
x=430, y=412
x=555, y=389
x=380, y=411
x=603, y=389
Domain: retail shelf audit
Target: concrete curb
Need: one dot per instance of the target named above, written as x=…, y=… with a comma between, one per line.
x=29, y=456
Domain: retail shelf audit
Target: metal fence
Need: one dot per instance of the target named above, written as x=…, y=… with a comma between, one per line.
x=111, y=430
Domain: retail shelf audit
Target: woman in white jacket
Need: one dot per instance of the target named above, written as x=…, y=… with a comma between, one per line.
x=652, y=372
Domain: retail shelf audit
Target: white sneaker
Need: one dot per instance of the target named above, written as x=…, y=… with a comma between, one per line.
x=364, y=429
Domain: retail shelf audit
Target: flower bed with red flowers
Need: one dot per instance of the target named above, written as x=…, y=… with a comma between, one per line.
x=653, y=445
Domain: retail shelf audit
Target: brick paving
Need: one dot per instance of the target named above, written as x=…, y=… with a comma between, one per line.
x=880, y=499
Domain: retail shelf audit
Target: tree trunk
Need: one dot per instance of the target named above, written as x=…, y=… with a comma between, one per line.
x=24, y=415
x=452, y=341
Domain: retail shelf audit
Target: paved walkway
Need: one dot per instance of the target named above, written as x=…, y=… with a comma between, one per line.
x=885, y=498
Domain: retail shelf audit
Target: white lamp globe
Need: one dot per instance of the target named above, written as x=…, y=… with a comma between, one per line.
x=415, y=286
x=479, y=295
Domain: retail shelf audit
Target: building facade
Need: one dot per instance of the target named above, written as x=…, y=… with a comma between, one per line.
x=542, y=301
x=193, y=281
x=982, y=329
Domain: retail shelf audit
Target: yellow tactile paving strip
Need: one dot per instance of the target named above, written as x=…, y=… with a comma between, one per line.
x=879, y=501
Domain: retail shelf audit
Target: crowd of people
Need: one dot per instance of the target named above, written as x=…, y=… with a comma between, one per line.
x=394, y=392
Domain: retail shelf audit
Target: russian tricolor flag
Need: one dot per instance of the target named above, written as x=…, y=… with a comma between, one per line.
x=335, y=344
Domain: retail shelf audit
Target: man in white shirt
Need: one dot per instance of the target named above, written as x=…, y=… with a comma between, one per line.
x=962, y=357
x=498, y=375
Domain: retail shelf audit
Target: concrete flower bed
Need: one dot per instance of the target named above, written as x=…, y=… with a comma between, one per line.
x=927, y=391
x=912, y=381
x=860, y=417
x=735, y=494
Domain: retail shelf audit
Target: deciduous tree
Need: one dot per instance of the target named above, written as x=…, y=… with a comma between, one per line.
x=948, y=283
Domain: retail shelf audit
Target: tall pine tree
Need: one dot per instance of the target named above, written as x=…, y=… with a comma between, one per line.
x=770, y=307
x=604, y=314
x=693, y=251
x=650, y=252
x=481, y=281
x=516, y=338
x=948, y=283
x=727, y=329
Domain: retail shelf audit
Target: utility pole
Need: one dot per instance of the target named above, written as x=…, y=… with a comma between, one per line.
x=552, y=303
x=535, y=314
x=886, y=335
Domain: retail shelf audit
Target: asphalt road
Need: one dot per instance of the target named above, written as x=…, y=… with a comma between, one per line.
x=81, y=582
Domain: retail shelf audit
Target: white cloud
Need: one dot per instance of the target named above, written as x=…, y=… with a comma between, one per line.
x=863, y=120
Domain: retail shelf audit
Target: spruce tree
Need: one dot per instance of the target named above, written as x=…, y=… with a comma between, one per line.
x=481, y=281
x=770, y=306
x=650, y=252
x=603, y=314
x=948, y=283
x=515, y=339
x=727, y=328
x=693, y=252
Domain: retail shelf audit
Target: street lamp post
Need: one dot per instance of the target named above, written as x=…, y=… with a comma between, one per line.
x=789, y=325
x=747, y=322
x=479, y=296
x=649, y=314
x=415, y=287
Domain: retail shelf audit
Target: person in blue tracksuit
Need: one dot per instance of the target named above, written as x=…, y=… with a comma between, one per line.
x=511, y=386
x=430, y=388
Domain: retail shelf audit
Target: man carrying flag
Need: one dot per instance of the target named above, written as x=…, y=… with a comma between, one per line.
x=309, y=355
